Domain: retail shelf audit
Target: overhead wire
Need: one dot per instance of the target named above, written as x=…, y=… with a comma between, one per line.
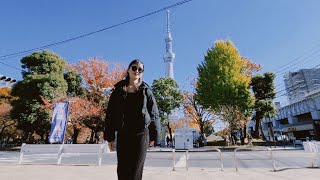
x=3, y=57
x=296, y=59
x=298, y=64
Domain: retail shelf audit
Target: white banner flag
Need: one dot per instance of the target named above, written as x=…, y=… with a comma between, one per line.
x=59, y=122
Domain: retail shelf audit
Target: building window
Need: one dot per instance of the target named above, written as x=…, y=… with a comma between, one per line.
x=304, y=117
x=284, y=121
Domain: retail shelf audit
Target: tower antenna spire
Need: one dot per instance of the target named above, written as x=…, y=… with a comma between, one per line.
x=168, y=21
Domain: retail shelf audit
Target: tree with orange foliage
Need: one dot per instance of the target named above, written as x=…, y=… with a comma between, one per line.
x=82, y=112
x=88, y=110
x=5, y=120
x=196, y=112
x=88, y=113
x=96, y=74
x=181, y=123
x=5, y=96
x=7, y=125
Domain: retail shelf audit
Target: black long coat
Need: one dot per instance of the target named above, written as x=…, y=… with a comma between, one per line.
x=115, y=111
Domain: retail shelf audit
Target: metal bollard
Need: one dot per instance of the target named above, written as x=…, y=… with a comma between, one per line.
x=173, y=159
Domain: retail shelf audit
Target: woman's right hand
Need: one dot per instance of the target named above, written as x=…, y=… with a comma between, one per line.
x=111, y=146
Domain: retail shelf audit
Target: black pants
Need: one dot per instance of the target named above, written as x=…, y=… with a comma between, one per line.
x=131, y=153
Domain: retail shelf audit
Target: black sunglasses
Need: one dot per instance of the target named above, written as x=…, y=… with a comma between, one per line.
x=135, y=68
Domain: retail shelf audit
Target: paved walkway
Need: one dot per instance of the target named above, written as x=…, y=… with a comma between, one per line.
x=108, y=172
x=53, y=172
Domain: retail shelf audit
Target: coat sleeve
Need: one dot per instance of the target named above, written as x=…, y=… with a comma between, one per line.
x=109, y=130
x=154, y=127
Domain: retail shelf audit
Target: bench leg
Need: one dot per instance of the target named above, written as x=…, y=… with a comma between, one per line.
x=21, y=153
x=100, y=154
x=60, y=155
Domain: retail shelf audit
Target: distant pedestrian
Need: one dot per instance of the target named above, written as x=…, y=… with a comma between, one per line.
x=250, y=140
x=227, y=140
x=69, y=141
x=168, y=141
x=131, y=111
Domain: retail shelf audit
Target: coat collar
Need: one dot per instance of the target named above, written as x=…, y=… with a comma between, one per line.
x=121, y=84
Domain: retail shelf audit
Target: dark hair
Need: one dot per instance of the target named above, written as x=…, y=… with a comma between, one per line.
x=127, y=78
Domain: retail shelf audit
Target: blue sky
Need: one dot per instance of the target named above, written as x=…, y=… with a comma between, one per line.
x=272, y=33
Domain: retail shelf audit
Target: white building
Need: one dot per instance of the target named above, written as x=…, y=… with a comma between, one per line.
x=301, y=82
x=299, y=120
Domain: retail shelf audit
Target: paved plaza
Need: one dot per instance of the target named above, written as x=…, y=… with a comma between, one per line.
x=53, y=172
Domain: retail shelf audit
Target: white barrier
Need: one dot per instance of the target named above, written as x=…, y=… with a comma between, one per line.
x=187, y=158
x=60, y=149
x=82, y=148
x=314, y=148
x=253, y=148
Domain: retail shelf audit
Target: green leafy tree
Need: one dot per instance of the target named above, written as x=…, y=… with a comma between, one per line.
x=74, y=82
x=168, y=98
x=263, y=88
x=208, y=129
x=43, y=79
x=224, y=78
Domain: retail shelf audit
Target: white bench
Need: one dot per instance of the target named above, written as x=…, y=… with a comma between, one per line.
x=38, y=149
x=60, y=149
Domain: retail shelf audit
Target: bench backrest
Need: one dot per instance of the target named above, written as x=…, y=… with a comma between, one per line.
x=82, y=148
x=60, y=149
x=40, y=148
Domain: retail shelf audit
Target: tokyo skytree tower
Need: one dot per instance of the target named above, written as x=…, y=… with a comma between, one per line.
x=168, y=56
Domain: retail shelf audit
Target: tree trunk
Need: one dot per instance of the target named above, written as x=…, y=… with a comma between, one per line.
x=2, y=130
x=270, y=127
x=25, y=137
x=46, y=140
x=92, y=136
x=75, y=135
x=30, y=138
x=242, y=135
x=258, y=119
x=201, y=128
x=170, y=132
x=262, y=134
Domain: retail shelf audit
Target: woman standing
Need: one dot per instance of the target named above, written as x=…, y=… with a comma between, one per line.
x=131, y=111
